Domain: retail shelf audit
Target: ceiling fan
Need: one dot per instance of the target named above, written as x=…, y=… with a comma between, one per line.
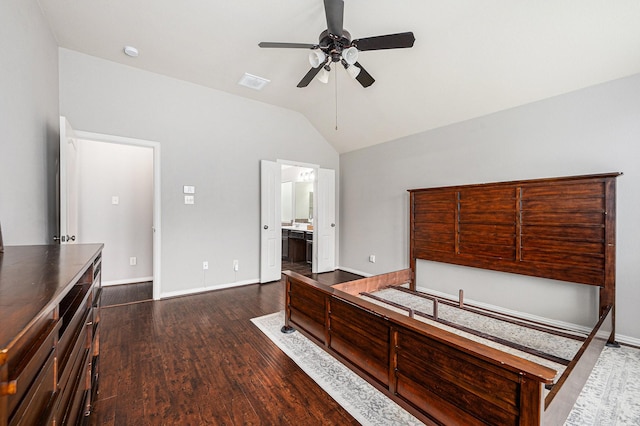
x=335, y=45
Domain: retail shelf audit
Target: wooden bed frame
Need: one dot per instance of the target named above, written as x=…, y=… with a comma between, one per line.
x=560, y=228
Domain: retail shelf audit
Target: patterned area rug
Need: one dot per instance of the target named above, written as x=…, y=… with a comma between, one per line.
x=610, y=397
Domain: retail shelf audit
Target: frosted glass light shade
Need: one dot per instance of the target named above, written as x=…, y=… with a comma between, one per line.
x=323, y=76
x=353, y=71
x=316, y=58
x=350, y=55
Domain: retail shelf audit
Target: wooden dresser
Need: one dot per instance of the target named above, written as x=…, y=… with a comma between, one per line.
x=49, y=334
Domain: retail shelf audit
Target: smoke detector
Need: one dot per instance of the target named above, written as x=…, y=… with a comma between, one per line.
x=131, y=51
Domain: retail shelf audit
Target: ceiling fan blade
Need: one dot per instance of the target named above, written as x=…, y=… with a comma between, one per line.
x=287, y=45
x=364, y=77
x=334, y=9
x=309, y=76
x=390, y=41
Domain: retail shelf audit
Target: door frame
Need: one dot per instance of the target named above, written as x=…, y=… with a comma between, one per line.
x=67, y=185
x=157, y=191
x=316, y=240
x=315, y=168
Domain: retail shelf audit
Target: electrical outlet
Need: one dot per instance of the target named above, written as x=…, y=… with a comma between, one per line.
x=236, y=265
x=133, y=261
x=205, y=265
x=372, y=258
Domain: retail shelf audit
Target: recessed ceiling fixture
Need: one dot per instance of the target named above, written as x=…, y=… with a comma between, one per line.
x=253, y=81
x=131, y=51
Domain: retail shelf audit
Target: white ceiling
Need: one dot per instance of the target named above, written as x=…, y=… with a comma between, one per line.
x=470, y=58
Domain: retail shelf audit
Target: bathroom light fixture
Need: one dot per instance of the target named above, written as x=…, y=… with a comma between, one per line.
x=307, y=176
x=131, y=51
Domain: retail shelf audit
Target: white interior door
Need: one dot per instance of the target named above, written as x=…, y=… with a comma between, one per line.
x=324, y=245
x=270, y=226
x=68, y=184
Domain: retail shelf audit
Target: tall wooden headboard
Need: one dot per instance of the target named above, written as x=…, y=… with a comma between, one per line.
x=560, y=228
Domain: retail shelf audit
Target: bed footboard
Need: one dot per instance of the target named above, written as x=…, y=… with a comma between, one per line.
x=438, y=376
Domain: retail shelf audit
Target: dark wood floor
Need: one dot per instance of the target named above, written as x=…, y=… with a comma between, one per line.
x=198, y=360
x=126, y=293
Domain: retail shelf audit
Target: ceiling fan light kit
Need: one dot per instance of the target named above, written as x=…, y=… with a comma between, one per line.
x=323, y=75
x=335, y=45
x=352, y=70
x=350, y=55
x=317, y=58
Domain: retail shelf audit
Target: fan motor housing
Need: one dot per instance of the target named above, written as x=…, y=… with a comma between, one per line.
x=333, y=45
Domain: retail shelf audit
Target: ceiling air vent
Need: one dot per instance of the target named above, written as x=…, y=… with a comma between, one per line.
x=253, y=81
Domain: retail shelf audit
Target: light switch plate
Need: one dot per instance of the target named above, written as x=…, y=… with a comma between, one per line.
x=115, y=200
x=188, y=189
x=189, y=199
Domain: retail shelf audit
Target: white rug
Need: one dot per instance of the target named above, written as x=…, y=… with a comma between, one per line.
x=610, y=397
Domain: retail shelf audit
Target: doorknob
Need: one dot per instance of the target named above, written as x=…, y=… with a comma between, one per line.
x=333, y=225
x=64, y=238
x=266, y=227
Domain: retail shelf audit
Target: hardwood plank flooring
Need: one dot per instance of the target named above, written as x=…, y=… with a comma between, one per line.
x=304, y=268
x=126, y=293
x=198, y=360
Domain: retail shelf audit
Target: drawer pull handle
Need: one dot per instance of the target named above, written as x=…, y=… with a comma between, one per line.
x=8, y=388
x=90, y=323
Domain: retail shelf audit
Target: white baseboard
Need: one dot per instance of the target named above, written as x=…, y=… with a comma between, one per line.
x=627, y=340
x=196, y=290
x=127, y=281
x=354, y=271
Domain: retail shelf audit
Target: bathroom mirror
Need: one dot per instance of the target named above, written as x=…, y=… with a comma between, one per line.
x=303, y=201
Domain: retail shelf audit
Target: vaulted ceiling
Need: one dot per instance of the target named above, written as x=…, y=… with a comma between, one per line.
x=470, y=57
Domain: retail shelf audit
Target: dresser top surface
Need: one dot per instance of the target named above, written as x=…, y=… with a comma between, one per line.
x=33, y=278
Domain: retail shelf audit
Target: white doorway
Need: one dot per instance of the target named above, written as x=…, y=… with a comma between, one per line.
x=297, y=197
x=155, y=230
x=315, y=218
x=67, y=185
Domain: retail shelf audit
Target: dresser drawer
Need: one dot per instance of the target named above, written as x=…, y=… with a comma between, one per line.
x=35, y=404
x=30, y=366
x=72, y=397
x=68, y=369
x=74, y=317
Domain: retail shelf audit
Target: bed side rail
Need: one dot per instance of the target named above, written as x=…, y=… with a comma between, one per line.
x=561, y=399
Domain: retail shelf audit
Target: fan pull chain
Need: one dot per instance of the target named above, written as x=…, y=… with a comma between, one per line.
x=336, y=80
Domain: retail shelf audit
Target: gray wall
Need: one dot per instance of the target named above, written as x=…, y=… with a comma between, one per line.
x=209, y=139
x=107, y=170
x=28, y=124
x=594, y=130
